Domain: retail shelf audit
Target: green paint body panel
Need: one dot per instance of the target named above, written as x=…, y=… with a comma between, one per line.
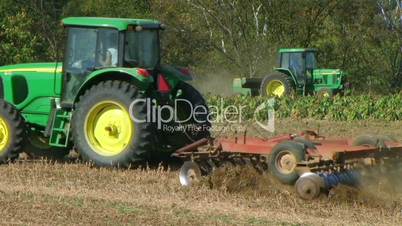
x=31, y=89
x=310, y=82
x=328, y=79
x=43, y=83
x=239, y=87
x=117, y=23
x=108, y=73
x=173, y=75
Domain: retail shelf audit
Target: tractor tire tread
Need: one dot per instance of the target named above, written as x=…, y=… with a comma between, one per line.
x=142, y=147
x=285, y=79
x=17, y=124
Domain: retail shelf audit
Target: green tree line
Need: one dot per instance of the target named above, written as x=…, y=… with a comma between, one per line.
x=362, y=37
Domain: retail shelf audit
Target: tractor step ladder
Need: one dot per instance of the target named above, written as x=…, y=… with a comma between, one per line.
x=60, y=129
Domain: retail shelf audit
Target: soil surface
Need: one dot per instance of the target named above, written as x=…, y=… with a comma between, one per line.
x=42, y=192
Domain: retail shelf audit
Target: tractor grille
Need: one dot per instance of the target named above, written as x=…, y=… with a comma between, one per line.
x=325, y=79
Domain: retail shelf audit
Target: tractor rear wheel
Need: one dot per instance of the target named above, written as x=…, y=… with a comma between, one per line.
x=11, y=132
x=104, y=131
x=277, y=85
x=193, y=129
x=284, y=159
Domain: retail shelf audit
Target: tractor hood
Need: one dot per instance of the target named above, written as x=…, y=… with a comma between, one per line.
x=33, y=67
x=329, y=71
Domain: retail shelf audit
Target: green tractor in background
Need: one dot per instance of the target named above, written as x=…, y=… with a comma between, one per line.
x=297, y=74
x=98, y=99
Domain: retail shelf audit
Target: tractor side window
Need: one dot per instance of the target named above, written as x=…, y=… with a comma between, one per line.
x=285, y=60
x=296, y=64
x=107, y=54
x=81, y=49
x=311, y=62
x=142, y=48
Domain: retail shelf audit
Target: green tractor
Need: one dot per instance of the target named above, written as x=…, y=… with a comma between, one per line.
x=297, y=74
x=104, y=99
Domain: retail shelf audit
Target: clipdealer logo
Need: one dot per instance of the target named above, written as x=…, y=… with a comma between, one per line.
x=220, y=113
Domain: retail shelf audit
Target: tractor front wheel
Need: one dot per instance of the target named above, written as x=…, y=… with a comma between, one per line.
x=37, y=146
x=325, y=93
x=277, y=85
x=109, y=125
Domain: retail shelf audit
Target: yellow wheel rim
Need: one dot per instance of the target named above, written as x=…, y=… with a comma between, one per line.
x=108, y=128
x=275, y=88
x=286, y=162
x=4, y=134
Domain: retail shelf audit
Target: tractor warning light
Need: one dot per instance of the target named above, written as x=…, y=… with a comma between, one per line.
x=143, y=73
x=163, y=84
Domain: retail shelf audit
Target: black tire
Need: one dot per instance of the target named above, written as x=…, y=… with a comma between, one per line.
x=141, y=141
x=289, y=148
x=16, y=125
x=325, y=93
x=278, y=76
x=37, y=146
x=193, y=130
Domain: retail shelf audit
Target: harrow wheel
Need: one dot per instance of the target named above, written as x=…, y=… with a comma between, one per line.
x=284, y=159
x=309, y=185
x=190, y=173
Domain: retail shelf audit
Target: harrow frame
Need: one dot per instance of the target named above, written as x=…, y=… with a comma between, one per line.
x=321, y=155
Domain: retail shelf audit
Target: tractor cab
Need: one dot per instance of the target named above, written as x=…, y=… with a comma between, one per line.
x=95, y=44
x=300, y=62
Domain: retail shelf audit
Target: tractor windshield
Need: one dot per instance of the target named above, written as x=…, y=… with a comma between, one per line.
x=311, y=62
x=142, y=48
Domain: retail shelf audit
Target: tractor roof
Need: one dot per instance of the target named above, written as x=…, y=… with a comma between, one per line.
x=118, y=23
x=294, y=50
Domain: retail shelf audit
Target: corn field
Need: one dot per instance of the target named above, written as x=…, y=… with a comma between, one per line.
x=338, y=108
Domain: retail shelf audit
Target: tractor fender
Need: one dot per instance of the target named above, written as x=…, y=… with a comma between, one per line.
x=126, y=74
x=174, y=73
x=287, y=72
